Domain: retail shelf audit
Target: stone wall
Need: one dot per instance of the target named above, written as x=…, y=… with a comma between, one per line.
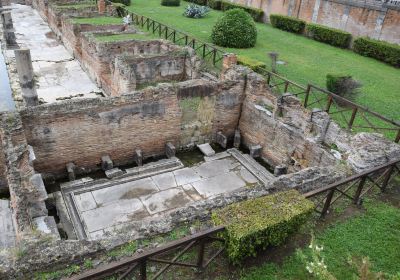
x=82, y=131
x=3, y=181
x=361, y=18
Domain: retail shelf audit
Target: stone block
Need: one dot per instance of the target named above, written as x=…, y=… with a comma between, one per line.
x=71, y=171
x=39, y=188
x=206, y=149
x=170, y=150
x=37, y=209
x=280, y=170
x=138, y=157
x=221, y=139
x=112, y=173
x=237, y=139
x=255, y=151
x=46, y=225
x=32, y=156
x=106, y=163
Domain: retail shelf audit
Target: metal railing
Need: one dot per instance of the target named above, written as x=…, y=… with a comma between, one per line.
x=347, y=113
x=354, y=187
x=137, y=264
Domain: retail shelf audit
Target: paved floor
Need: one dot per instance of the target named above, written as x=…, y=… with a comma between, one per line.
x=7, y=234
x=103, y=209
x=59, y=75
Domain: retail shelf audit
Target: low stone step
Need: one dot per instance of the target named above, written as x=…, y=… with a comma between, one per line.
x=253, y=166
x=206, y=149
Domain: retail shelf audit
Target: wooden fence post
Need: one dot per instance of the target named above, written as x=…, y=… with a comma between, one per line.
x=387, y=178
x=357, y=195
x=308, y=90
x=327, y=202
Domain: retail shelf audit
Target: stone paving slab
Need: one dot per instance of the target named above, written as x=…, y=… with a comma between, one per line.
x=206, y=149
x=166, y=200
x=111, y=214
x=214, y=168
x=219, y=184
x=186, y=176
x=125, y=191
x=59, y=75
x=165, y=181
x=85, y=201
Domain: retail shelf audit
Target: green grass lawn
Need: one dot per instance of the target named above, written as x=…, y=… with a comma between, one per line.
x=98, y=20
x=374, y=234
x=307, y=60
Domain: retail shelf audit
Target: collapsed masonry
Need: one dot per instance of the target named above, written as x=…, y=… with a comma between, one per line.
x=156, y=101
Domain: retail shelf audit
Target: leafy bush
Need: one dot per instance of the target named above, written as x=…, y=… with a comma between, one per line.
x=253, y=64
x=125, y=2
x=287, y=23
x=342, y=85
x=331, y=36
x=170, y=2
x=214, y=4
x=235, y=29
x=380, y=50
x=196, y=11
x=256, y=14
x=261, y=222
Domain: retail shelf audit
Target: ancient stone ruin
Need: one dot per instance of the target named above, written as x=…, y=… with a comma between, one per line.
x=96, y=152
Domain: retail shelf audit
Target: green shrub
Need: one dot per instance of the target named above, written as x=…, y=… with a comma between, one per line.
x=235, y=29
x=253, y=64
x=170, y=2
x=342, y=85
x=380, y=50
x=256, y=14
x=331, y=36
x=214, y=4
x=125, y=2
x=261, y=222
x=286, y=23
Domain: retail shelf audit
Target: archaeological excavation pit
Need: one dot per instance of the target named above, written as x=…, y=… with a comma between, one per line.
x=118, y=136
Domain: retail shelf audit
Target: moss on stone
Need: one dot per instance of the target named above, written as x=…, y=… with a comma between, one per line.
x=257, y=223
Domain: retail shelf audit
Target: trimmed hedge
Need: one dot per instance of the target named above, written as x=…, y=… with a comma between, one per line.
x=125, y=2
x=215, y=4
x=261, y=222
x=171, y=3
x=380, y=50
x=235, y=29
x=256, y=14
x=198, y=2
x=286, y=23
x=331, y=36
x=253, y=64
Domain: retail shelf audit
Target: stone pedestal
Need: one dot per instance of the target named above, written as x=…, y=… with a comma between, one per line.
x=280, y=170
x=71, y=171
x=222, y=140
x=255, y=151
x=170, y=150
x=237, y=139
x=106, y=163
x=138, y=157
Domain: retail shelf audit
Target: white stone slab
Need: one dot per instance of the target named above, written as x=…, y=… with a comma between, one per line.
x=125, y=191
x=206, y=149
x=247, y=176
x=214, y=168
x=112, y=214
x=223, y=183
x=186, y=176
x=165, y=181
x=189, y=190
x=85, y=201
x=165, y=200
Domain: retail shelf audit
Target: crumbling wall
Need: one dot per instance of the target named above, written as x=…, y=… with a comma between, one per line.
x=282, y=127
x=3, y=168
x=98, y=57
x=72, y=33
x=82, y=131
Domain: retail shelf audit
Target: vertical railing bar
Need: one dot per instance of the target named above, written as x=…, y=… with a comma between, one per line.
x=327, y=202
x=359, y=190
x=353, y=116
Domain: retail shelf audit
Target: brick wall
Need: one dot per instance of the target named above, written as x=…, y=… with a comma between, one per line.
x=82, y=131
x=361, y=18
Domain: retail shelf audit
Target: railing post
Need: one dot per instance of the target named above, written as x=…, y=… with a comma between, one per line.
x=327, y=202
x=353, y=116
x=397, y=137
x=308, y=90
x=143, y=272
x=387, y=178
x=286, y=86
x=268, y=78
x=166, y=32
x=328, y=105
x=215, y=57
x=357, y=195
x=174, y=36
x=186, y=40
x=204, y=50
x=200, y=256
